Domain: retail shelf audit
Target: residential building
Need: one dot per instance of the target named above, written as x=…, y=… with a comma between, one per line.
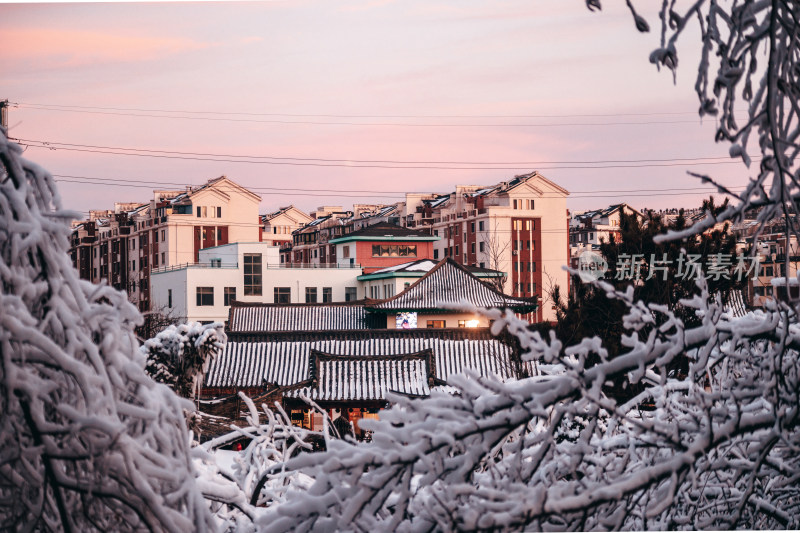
x=245, y=272
x=124, y=246
x=519, y=227
x=279, y=225
x=588, y=229
x=382, y=245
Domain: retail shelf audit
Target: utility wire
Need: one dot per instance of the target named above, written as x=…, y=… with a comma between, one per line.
x=328, y=115
x=350, y=195
x=157, y=183
x=379, y=124
x=138, y=152
x=55, y=145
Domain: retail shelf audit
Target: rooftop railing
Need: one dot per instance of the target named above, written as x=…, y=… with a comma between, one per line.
x=267, y=266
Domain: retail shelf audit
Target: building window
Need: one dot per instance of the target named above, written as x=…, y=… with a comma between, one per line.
x=205, y=296
x=327, y=295
x=350, y=294
x=219, y=212
x=436, y=324
x=480, y=225
x=457, y=253
x=164, y=258
x=472, y=227
x=169, y=297
x=283, y=295
x=346, y=251
x=163, y=235
x=252, y=275
x=311, y=295
x=229, y=295
x=436, y=254
x=394, y=250
x=155, y=236
x=473, y=247
x=480, y=246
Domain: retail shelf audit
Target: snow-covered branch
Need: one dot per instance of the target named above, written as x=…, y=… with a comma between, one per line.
x=701, y=451
x=88, y=440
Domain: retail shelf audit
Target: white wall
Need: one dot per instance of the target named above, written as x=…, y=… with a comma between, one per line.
x=184, y=281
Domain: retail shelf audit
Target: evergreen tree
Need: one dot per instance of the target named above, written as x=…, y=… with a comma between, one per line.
x=659, y=272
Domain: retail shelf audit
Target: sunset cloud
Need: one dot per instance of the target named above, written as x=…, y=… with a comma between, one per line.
x=62, y=48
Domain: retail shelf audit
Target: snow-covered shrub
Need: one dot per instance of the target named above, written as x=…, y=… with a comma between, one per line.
x=179, y=355
x=88, y=441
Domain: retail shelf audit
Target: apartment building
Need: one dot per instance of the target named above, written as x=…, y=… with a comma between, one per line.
x=519, y=227
x=126, y=245
x=279, y=225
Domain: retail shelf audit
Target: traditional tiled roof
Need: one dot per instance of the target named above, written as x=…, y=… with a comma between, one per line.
x=347, y=378
x=255, y=360
x=450, y=283
x=298, y=317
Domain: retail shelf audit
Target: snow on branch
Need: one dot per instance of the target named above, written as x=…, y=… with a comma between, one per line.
x=715, y=449
x=747, y=79
x=88, y=440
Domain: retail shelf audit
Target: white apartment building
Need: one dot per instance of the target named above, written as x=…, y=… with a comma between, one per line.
x=279, y=225
x=247, y=272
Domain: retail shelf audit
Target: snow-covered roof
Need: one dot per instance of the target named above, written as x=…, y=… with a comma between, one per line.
x=297, y=317
x=420, y=265
x=450, y=283
x=346, y=378
x=283, y=359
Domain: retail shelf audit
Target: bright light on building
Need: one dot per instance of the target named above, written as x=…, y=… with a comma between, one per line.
x=472, y=323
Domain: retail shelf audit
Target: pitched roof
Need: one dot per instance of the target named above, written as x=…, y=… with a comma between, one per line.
x=422, y=266
x=383, y=230
x=347, y=378
x=451, y=283
x=254, y=360
x=298, y=317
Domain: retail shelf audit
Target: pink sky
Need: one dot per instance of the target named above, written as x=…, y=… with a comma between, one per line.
x=535, y=59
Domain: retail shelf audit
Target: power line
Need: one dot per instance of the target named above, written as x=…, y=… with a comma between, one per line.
x=349, y=195
x=141, y=152
x=157, y=183
x=379, y=124
x=352, y=160
x=330, y=115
